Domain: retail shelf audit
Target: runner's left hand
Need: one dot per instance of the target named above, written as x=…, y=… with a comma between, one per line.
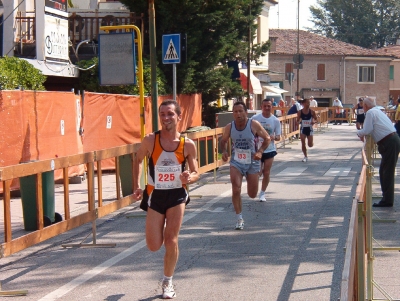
x=257, y=155
x=185, y=177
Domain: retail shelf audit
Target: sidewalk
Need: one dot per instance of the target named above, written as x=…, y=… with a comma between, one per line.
x=290, y=249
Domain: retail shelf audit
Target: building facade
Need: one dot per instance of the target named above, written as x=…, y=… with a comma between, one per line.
x=328, y=68
x=394, y=71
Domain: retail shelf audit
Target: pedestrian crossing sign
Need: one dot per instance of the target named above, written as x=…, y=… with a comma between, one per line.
x=171, y=46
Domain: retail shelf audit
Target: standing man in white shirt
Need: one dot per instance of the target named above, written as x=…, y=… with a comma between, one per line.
x=338, y=110
x=383, y=132
x=313, y=102
x=273, y=127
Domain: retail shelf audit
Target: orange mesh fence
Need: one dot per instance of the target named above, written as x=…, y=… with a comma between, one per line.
x=38, y=126
x=17, y=129
x=45, y=125
x=58, y=128
x=191, y=110
x=111, y=120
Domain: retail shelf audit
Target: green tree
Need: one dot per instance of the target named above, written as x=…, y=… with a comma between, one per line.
x=359, y=22
x=89, y=80
x=18, y=73
x=388, y=21
x=217, y=31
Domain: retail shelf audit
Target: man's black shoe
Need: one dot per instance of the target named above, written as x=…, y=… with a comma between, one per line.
x=382, y=204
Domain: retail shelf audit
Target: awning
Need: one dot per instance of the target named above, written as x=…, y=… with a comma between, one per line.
x=255, y=85
x=273, y=89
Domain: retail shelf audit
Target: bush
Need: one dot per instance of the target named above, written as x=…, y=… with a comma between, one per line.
x=18, y=73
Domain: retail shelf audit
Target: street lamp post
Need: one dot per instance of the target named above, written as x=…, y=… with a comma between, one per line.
x=298, y=48
x=248, y=60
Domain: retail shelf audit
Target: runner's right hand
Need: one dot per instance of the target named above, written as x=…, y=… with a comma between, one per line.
x=138, y=194
x=225, y=156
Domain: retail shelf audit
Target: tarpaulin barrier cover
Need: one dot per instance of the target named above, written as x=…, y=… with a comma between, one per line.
x=44, y=125
x=111, y=120
x=38, y=126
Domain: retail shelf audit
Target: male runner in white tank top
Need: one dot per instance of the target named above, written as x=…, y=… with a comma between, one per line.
x=245, y=160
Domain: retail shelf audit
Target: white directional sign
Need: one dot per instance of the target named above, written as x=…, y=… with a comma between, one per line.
x=171, y=45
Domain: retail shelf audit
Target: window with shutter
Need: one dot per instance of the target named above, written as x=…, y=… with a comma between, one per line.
x=288, y=69
x=320, y=71
x=366, y=74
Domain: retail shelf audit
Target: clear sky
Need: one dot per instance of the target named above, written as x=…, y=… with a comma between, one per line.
x=284, y=14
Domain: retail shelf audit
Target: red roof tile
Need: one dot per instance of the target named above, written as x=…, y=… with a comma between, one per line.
x=393, y=50
x=311, y=43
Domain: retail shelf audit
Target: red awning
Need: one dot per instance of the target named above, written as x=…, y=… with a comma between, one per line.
x=255, y=85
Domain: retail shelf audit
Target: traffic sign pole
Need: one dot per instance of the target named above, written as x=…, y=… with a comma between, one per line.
x=174, y=81
x=171, y=52
x=291, y=95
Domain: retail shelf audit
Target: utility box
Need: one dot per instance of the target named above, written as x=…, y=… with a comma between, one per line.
x=222, y=119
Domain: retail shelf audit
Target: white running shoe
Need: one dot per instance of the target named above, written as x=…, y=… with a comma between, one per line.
x=262, y=196
x=304, y=160
x=239, y=224
x=168, y=291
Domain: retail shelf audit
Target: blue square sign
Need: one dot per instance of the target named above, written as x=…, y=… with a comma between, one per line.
x=171, y=48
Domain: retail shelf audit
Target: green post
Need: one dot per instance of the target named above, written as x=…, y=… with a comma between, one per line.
x=125, y=174
x=28, y=198
x=153, y=64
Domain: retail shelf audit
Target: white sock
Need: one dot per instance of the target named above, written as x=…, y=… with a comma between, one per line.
x=167, y=279
x=239, y=216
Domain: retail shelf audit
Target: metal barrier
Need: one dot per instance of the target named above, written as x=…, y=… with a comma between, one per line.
x=391, y=114
x=346, y=116
x=353, y=276
x=7, y=174
x=291, y=128
x=357, y=277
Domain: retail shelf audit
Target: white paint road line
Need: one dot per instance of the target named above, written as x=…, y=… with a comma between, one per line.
x=65, y=289
x=338, y=172
x=291, y=172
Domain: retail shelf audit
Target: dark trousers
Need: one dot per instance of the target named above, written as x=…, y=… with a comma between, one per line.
x=397, y=126
x=338, y=115
x=389, y=150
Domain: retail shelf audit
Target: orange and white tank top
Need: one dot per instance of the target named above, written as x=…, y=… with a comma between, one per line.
x=165, y=167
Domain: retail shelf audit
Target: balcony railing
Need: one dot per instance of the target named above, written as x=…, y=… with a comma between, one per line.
x=88, y=28
x=80, y=28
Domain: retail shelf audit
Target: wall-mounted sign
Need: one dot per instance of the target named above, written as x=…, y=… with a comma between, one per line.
x=117, y=59
x=56, y=38
x=57, y=4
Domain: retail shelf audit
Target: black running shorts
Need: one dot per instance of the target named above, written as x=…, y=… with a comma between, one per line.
x=269, y=155
x=161, y=200
x=308, y=131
